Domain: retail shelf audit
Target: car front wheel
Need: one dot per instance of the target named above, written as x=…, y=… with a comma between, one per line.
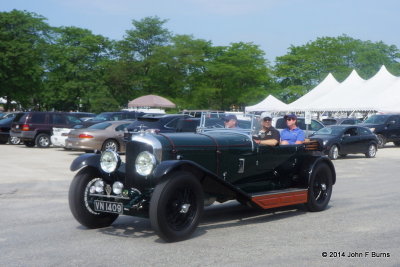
x=81, y=204
x=320, y=188
x=333, y=152
x=14, y=140
x=176, y=206
x=371, y=153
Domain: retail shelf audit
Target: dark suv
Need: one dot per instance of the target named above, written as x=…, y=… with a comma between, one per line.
x=386, y=127
x=35, y=128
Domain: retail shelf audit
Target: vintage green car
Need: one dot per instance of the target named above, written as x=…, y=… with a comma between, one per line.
x=169, y=178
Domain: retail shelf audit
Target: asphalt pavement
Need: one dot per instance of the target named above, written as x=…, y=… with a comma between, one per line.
x=361, y=226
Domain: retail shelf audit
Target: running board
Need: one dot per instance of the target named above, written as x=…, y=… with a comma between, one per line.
x=280, y=198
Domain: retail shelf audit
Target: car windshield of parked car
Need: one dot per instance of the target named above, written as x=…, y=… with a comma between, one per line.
x=100, y=126
x=330, y=131
x=377, y=119
x=329, y=121
x=103, y=117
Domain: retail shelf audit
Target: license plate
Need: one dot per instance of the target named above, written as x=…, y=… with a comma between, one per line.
x=106, y=206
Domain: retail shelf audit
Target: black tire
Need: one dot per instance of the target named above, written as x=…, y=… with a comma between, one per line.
x=320, y=188
x=79, y=204
x=29, y=143
x=343, y=155
x=110, y=144
x=333, y=152
x=381, y=140
x=397, y=143
x=371, y=152
x=169, y=217
x=43, y=140
x=14, y=140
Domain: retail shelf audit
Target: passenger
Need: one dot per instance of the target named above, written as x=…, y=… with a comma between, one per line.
x=268, y=135
x=292, y=134
x=230, y=121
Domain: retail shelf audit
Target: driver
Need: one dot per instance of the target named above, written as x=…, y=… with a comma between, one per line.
x=230, y=121
x=268, y=135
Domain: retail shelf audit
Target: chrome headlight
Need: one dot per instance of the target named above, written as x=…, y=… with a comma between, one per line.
x=117, y=188
x=145, y=163
x=109, y=161
x=325, y=142
x=372, y=129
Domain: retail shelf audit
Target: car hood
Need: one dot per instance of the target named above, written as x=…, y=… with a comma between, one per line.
x=369, y=125
x=324, y=137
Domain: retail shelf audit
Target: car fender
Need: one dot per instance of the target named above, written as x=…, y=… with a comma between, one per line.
x=311, y=162
x=210, y=181
x=88, y=159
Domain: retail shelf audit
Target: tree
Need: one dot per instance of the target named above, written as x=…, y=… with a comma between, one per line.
x=23, y=40
x=236, y=75
x=306, y=66
x=75, y=70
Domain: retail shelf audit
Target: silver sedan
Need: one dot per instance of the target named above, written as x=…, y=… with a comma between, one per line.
x=100, y=136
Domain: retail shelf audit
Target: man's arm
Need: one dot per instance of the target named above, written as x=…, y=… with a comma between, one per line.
x=300, y=137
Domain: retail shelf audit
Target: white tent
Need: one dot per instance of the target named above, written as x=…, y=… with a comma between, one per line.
x=270, y=103
x=326, y=86
x=379, y=93
x=333, y=100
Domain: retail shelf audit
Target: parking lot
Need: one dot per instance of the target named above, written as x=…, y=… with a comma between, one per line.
x=361, y=226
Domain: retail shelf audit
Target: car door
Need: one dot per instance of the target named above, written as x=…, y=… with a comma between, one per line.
x=393, y=127
x=350, y=141
x=365, y=138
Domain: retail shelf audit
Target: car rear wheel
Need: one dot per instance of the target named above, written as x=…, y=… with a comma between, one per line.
x=29, y=143
x=381, y=140
x=371, y=153
x=110, y=145
x=81, y=203
x=320, y=188
x=176, y=206
x=333, y=152
x=42, y=140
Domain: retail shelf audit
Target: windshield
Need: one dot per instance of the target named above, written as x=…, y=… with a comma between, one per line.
x=377, y=119
x=103, y=117
x=242, y=123
x=330, y=131
x=101, y=125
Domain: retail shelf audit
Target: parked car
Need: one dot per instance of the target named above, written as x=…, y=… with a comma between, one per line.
x=340, y=140
x=279, y=123
x=84, y=116
x=35, y=128
x=341, y=121
x=102, y=136
x=112, y=116
x=161, y=123
x=386, y=127
x=170, y=177
x=5, y=126
x=59, y=136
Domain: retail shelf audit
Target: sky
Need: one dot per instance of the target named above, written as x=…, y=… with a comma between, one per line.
x=274, y=25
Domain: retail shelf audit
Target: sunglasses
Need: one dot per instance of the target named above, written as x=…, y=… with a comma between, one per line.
x=290, y=119
x=267, y=119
